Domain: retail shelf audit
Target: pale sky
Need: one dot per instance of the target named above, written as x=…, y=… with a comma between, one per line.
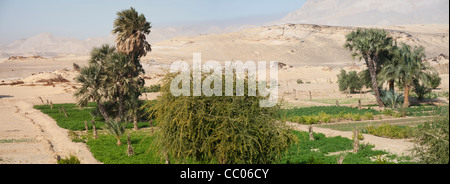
x=94, y=18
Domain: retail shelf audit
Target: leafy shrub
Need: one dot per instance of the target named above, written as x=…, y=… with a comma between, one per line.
x=299, y=81
x=421, y=90
x=71, y=160
x=392, y=99
x=230, y=129
x=152, y=89
x=390, y=131
x=388, y=112
x=434, y=80
x=368, y=116
x=349, y=82
x=324, y=117
x=356, y=117
x=431, y=141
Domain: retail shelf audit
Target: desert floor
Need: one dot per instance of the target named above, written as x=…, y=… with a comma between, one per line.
x=29, y=136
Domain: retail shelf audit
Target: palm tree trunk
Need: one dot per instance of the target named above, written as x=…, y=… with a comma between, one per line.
x=391, y=86
x=406, y=96
x=373, y=75
x=118, y=141
x=102, y=110
x=135, y=121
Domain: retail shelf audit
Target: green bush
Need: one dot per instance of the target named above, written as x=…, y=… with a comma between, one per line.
x=421, y=90
x=388, y=112
x=434, y=80
x=230, y=129
x=324, y=117
x=299, y=81
x=356, y=117
x=368, y=116
x=152, y=89
x=349, y=82
x=390, y=131
x=71, y=160
x=392, y=99
x=431, y=141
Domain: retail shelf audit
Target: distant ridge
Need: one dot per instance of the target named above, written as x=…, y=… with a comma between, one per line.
x=369, y=12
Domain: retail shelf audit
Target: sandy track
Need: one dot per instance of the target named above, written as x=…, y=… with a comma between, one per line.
x=29, y=136
x=399, y=147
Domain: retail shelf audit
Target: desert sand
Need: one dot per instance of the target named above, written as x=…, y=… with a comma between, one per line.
x=311, y=53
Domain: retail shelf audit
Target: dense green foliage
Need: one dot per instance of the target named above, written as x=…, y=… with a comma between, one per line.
x=151, y=89
x=390, y=131
x=304, y=151
x=432, y=141
x=77, y=116
x=331, y=110
x=318, y=151
x=392, y=99
x=349, y=82
x=426, y=110
x=71, y=160
x=230, y=129
x=375, y=46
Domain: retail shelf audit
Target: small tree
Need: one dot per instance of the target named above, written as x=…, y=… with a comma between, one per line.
x=229, y=129
x=115, y=128
x=349, y=82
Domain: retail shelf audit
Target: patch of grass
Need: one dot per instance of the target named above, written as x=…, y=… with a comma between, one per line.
x=317, y=151
x=16, y=140
x=312, y=115
x=426, y=110
x=77, y=116
x=390, y=131
x=152, y=89
x=342, y=101
x=331, y=110
x=411, y=122
x=107, y=151
x=71, y=160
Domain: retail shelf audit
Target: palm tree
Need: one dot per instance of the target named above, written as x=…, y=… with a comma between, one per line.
x=389, y=76
x=123, y=85
x=93, y=82
x=410, y=69
x=131, y=28
x=372, y=45
x=116, y=128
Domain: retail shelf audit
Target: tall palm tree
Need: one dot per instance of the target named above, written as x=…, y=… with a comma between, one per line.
x=410, y=69
x=131, y=28
x=123, y=85
x=371, y=45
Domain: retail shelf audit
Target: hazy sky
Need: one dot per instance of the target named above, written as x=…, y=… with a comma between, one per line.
x=94, y=18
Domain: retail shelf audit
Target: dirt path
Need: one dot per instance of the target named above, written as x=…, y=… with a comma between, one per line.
x=399, y=147
x=29, y=136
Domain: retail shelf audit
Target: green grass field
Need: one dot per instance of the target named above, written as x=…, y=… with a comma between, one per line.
x=105, y=149
x=77, y=116
x=412, y=122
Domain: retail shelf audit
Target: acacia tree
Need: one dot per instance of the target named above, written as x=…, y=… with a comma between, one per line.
x=373, y=46
x=131, y=28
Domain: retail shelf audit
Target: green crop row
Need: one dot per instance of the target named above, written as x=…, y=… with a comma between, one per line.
x=323, y=117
